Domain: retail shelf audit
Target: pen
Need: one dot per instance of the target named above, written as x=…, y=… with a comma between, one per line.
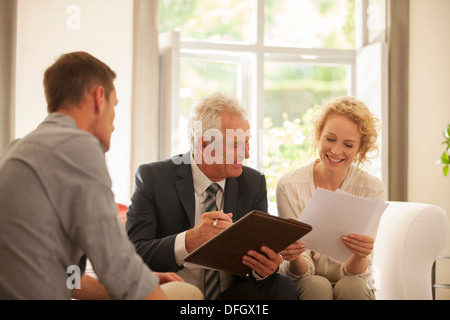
x=216, y=221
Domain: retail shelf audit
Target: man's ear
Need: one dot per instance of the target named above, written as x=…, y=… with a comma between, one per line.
x=202, y=143
x=99, y=96
x=199, y=146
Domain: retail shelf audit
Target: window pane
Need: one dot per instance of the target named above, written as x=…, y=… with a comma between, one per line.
x=310, y=23
x=208, y=20
x=197, y=79
x=292, y=91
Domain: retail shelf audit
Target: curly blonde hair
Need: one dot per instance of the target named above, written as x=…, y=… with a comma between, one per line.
x=358, y=112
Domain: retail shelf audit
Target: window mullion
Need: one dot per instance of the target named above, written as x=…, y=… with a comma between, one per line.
x=258, y=91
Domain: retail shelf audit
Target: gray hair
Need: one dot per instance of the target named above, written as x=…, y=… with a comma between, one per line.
x=206, y=116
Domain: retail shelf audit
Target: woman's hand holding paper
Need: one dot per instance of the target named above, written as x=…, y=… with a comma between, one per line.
x=293, y=254
x=293, y=251
x=360, y=245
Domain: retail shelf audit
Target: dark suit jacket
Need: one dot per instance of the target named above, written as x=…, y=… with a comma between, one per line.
x=163, y=206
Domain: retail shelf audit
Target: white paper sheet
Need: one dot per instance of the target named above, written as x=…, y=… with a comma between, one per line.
x=335, y=214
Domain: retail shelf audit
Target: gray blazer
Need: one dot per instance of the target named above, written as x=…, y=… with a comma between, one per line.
x=163, y=205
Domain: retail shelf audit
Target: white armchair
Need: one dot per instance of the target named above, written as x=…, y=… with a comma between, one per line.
x=410, y=237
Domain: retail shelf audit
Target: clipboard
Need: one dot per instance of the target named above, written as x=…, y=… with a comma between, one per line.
x=225, y=251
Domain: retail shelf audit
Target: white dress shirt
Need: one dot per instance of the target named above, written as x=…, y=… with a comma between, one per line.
x=192, y=273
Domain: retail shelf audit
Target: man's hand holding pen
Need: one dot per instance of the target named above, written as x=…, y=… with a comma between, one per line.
x=210, y=224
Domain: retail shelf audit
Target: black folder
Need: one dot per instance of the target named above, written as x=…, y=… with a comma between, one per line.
x=225, y=251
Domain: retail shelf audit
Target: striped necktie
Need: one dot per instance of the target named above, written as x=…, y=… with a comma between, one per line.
x=212, y=279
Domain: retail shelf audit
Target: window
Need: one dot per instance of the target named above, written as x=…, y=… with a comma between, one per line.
x=281, y=58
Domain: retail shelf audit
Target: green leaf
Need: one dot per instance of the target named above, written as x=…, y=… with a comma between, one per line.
x=445, y=170
x=445, y=158
x=448, y=145
x=446, y=134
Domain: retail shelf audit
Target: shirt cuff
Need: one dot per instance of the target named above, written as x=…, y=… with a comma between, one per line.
x=257, y=277
x=180, y=248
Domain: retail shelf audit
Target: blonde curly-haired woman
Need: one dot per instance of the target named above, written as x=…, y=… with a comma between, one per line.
x=344, y=134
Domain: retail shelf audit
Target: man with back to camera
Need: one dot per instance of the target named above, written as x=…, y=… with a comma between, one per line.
x=56, y=203
x=170, y=214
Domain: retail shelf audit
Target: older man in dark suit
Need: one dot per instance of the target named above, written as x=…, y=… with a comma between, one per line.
x=173, y=211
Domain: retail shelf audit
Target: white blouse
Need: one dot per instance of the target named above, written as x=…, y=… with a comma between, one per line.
x=294, y=189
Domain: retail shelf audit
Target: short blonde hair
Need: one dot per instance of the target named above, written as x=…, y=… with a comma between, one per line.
x=208, y=113
x=356, y=111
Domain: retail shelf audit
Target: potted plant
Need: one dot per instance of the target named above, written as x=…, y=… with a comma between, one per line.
x=445, y=158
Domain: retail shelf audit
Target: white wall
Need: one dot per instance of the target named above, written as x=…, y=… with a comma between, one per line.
x=429, y=105
x=48, y=28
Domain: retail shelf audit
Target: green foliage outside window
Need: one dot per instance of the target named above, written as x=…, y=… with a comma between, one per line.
x=286, y=147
